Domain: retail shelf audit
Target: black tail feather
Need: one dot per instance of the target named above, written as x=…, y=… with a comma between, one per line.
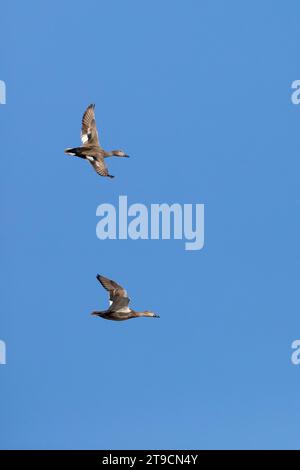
x=76, y=152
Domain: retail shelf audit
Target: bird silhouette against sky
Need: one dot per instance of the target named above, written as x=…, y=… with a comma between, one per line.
x=118, y=309
x=91, y=149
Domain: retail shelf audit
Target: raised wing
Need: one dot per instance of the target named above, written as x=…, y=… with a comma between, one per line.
x=115, y=290
x=89, y=133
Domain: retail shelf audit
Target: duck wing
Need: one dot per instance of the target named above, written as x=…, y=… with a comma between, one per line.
x=99, y=166
x=119, y=304
x=89, y=133
x=115, y=290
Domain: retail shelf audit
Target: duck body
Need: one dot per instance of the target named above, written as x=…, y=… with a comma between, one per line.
x=114, y=316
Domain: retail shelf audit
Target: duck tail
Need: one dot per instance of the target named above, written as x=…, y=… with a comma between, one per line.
x=99, y=313
x=76, y=152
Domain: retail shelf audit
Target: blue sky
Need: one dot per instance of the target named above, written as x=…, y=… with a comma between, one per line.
x=198, y=93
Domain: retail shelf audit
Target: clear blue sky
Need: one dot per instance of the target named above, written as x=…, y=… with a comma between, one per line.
x=198, y=93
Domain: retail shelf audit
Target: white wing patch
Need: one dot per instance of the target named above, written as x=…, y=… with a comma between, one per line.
x=84, y=138
x=88, y=157
x=110, y=302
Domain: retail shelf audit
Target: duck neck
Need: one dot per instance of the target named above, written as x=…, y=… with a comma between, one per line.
x=143, y=314
x=111, y=153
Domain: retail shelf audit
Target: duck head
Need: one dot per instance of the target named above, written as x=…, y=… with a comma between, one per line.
x=149, y=313
x=120, y=153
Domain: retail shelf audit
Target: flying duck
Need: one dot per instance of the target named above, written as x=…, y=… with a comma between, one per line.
x=91, y=149
x=118, y=299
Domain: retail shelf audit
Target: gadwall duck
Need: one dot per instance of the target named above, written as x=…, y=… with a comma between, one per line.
x=91, y=149
x=118, y=300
